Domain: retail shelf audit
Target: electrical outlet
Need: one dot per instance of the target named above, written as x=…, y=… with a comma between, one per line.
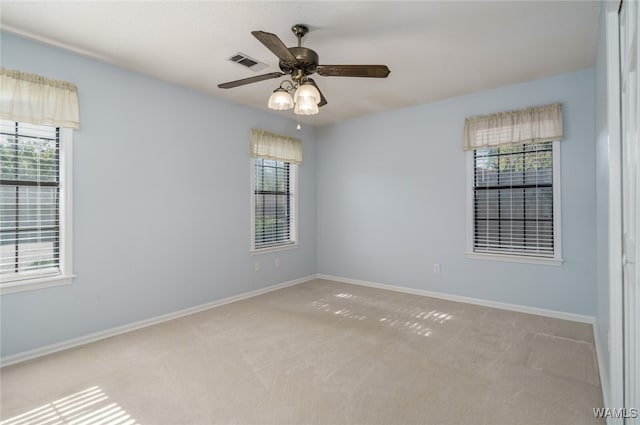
x=436, y=268
x=277, y=262
x=256, y=266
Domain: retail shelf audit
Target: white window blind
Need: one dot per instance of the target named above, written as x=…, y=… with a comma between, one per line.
x=29, y=200
x=274, y=202
x=513, y=200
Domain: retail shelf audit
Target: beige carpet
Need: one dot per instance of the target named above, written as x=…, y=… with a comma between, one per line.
x=320, y=353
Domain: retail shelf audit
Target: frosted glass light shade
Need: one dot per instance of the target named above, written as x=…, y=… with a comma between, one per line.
x=306, y=106
x=307, y=90
x=280, y=100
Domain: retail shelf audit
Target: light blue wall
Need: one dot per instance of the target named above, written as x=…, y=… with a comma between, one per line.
x=161, y=211
x=392, y=199
x=602, y=193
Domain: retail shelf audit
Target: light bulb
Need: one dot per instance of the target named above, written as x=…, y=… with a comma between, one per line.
x=306, y=106
x=307, y=90
x=280, y=100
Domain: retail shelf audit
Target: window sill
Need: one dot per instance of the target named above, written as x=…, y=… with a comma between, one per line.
x=35, y=283
x=274, y=249
x=516, y=258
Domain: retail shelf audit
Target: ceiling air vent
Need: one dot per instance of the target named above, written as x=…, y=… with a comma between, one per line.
x=248, y=62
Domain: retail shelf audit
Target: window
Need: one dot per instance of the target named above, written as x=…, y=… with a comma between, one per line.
x=513, y=210
x=514, y=185
x=36, y=118
x=274, y=183
x=274, y=204
x=34, y=205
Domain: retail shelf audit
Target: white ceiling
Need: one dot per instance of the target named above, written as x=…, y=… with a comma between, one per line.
x=435, y=50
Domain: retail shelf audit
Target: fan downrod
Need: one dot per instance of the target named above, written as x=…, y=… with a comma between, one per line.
x=300, y=31
x=306, y=59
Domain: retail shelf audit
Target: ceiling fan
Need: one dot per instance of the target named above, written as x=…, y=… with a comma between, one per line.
x=300, y=62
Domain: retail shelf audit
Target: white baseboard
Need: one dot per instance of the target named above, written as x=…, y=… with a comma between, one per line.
x=602, y=367
x=49, y=349
x=86, y=339
x=477, y=301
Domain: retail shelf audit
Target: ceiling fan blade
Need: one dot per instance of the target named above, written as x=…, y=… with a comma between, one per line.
x=323, y=101
x=273, y=43
x=232, y=84
x=373, y=71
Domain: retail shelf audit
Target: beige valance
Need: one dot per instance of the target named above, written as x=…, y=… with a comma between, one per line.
x=530, y=125
x=274, y=146
x=31, y=98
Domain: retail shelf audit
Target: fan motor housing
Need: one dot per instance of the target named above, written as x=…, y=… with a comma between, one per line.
x=307, y=61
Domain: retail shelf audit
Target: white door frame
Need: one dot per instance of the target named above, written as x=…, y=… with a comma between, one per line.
x=615, y=343
x=630, y=200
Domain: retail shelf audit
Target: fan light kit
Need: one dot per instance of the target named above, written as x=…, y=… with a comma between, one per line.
x=304, y=101
x=300, y=62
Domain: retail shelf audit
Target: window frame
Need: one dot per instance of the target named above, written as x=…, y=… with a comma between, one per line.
x=293, y=225
x=557, y=259
x=65, y=207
